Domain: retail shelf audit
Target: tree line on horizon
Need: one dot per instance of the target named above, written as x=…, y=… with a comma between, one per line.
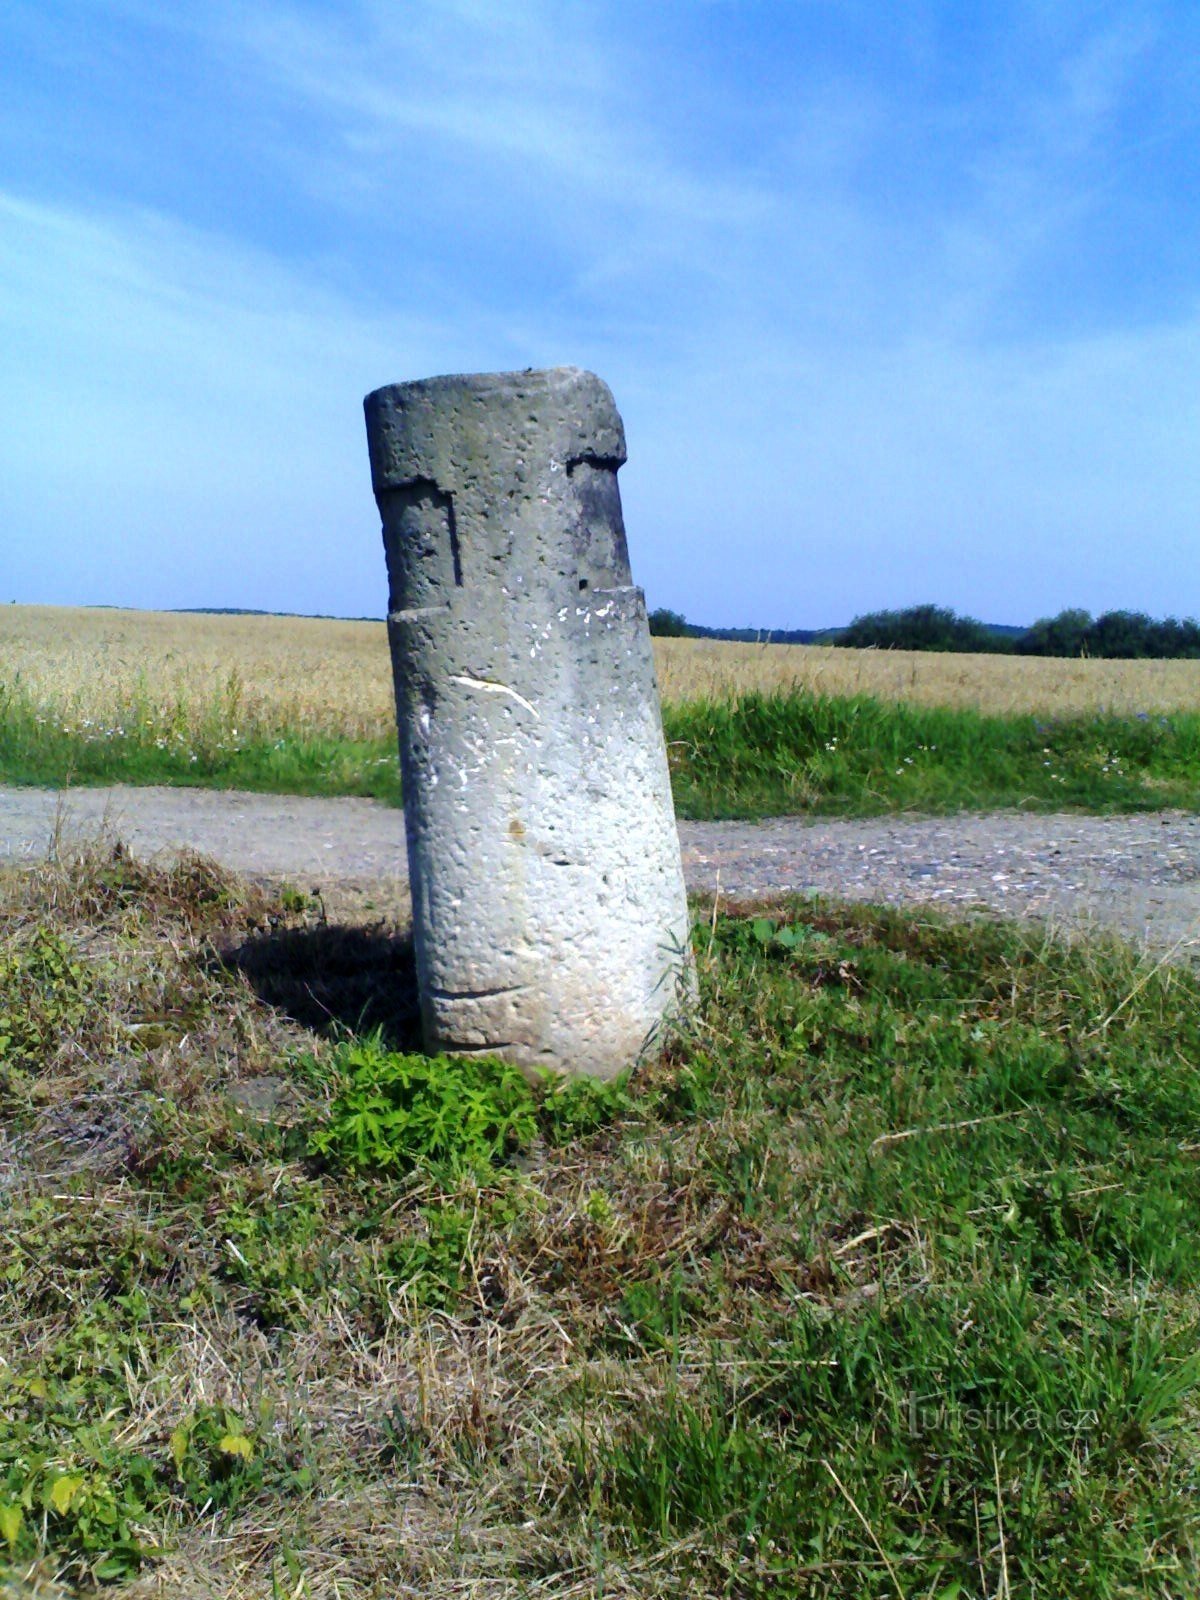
x=1116, y=635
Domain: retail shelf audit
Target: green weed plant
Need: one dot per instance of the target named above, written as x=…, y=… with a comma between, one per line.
x=450, y=1116
x=445, y=1115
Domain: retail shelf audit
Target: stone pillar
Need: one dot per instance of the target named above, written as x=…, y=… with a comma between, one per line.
x=549, y=915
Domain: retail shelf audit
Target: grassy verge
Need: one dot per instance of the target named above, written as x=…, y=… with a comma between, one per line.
x=883, y=1282
x=142, y=743
x=760, y=755
x=780, y=754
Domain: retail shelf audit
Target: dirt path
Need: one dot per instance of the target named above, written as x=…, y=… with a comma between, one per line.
x=1139, y=874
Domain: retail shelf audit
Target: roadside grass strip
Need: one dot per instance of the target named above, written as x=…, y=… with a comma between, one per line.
x=783, y=754
x=883, y=1281
x=787, y=753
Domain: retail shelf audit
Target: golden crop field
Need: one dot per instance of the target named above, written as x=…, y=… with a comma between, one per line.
x=688, y=668
x=333, y=677
x=260, y=673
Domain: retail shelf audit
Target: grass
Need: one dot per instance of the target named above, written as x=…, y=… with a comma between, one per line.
x=145, y=744
x=759, y=755
x=295, y=705
x=883, y=1281
x=330, y=677
x=794, y=753
x=301, y=706
x=997, y=685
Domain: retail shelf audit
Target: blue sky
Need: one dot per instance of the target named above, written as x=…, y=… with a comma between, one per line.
x=899, y=302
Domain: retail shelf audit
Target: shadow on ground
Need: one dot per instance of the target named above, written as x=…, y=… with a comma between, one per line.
x=336, y=979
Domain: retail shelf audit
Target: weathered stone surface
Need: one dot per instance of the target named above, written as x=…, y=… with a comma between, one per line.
x=549, y=913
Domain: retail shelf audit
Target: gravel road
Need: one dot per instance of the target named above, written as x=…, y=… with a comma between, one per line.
x=1139, y=875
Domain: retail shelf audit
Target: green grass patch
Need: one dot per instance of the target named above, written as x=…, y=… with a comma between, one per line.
x=146, y=743
x=969, y=1165
x=884, y=1280
x=780, y=754
x=759, y=755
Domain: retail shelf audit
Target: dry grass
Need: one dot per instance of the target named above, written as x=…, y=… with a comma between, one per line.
x=479, y=1396
x=710, y=669
x=889, y=1158
x=333, y=677
x=299, y=673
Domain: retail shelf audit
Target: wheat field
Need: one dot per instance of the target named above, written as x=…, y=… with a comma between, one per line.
x=88, y=666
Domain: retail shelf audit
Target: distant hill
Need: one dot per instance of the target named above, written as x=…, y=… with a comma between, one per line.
x=251, y=611
x=662, y=622
x=1125, y=635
